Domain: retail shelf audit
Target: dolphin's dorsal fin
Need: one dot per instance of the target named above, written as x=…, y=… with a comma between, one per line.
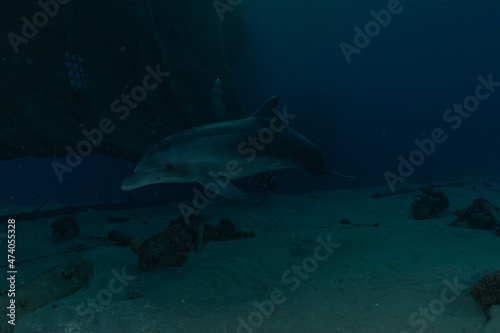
x=266, y=109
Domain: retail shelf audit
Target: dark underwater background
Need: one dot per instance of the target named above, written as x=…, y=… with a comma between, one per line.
x=362, y=115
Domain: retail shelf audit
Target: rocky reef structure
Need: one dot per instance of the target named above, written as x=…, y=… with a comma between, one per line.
x=168, y=248
x=171, y=247
x=486, y=292
x=431, y=202
x=64, y=229
x=482, y=214
x=119, y=238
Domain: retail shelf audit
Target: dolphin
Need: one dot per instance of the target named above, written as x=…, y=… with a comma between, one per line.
x=215, y=154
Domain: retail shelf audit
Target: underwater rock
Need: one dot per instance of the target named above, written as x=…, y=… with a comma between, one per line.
x=482, y=214
x=50, y=286
x=264, y=181
x=192, y=227
x=65, y=229
x=347, y=224
x=486, y=291
x=224, y=230
x=345, y=221
x=431, y=203
x=133, y=293
x=168, y=248
x=119, y=238
x=136, y=244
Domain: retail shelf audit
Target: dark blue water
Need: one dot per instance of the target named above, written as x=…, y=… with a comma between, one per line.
x=362, y=114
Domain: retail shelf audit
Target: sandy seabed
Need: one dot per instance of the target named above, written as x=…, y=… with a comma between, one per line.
x=303, y=271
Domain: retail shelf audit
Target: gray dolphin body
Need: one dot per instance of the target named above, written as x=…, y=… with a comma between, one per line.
x=215, y=154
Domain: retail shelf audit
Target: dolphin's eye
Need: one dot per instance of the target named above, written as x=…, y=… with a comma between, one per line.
x=169, y=167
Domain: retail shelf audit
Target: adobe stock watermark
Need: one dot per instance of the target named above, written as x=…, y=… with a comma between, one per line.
x=372, y=29
x=425, y=315
x=249, y=149
x=454, y=118
x=104, y=297
x=95, y=136
x=30, y=28
x=221, y=7
x=292, y=280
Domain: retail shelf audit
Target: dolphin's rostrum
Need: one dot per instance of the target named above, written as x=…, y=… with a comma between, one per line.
x=215, y=154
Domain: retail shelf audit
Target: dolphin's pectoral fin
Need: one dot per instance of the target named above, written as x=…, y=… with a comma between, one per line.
x=226, y=189
x=335, y=173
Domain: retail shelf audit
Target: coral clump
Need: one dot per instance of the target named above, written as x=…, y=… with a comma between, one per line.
x=482, y=214
x=119, y=238
x=431, y=203
x=223, y=231
x=168, y=248
x=65, y=229
x=487, y=290
x=136, y=244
